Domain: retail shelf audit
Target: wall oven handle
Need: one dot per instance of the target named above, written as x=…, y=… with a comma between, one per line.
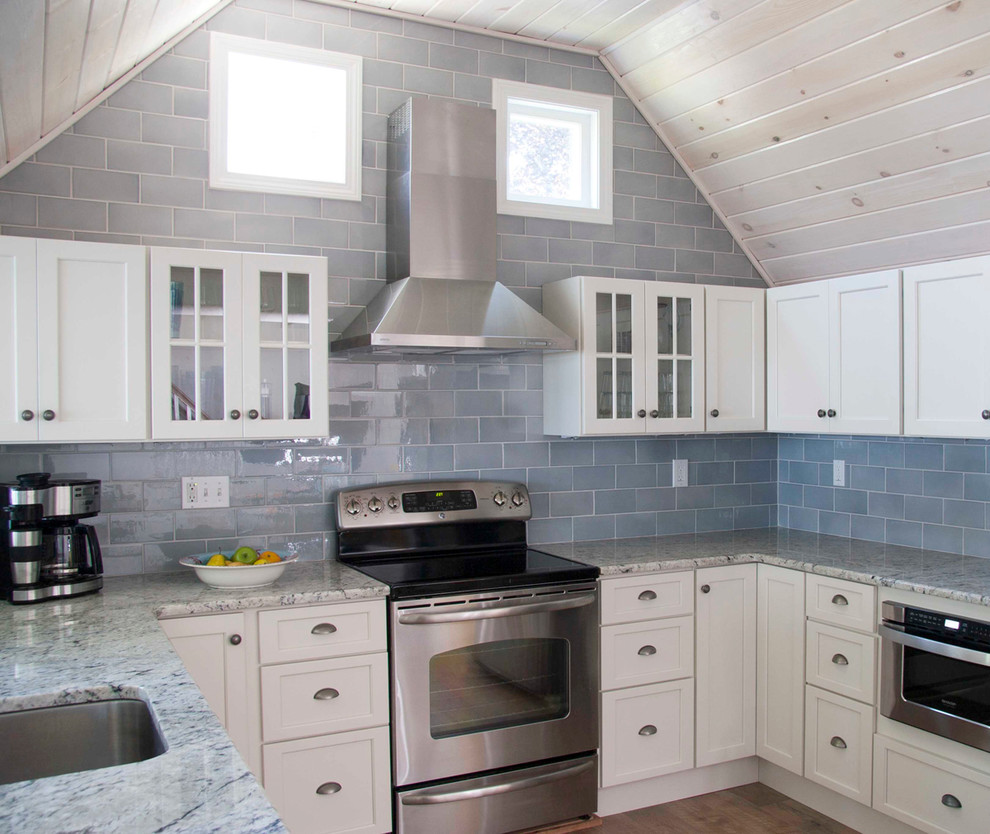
x=504, y=783
x=513, y=608
x=935, y=646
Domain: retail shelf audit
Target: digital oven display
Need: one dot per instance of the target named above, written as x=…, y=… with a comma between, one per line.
x=439, y=501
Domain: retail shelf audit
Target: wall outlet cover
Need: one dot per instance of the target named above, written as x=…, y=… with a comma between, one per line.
x=202, y=492
x=681, y=473
x=838, y=473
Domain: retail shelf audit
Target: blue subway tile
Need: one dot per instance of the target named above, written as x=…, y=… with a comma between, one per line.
x=734, y=495
x=834, y=524
x=802, y=518
x=790, y=448
x=944, y=484
x=549, y=530
x=733, y=448
x=661, y=498
x=965, y=457
x=614, y=451
x=747, y=518
x=763, y=493
x=928, y=510
x=976, y=542
x=526, y=454
x=867, y=477
x=886, y=505
x=964, y=513
x=923, y=456
x=819, y=450
x=852, y=451
x=868, y=527
x=635, y=524
x=906, y=481
x=938, y=537
x=572, y=503
x=791, y=494
x=676, y=521
x=721, y=518
x=692, y=498
x=819, y=498
x=851, y=501
x=655, y=450
x=804, y=473
x=550, y=479
x=696, y=449
x=977, y=487
x=723, y=472
x=890, y=455
x=612, y=501
x=571, y=453
x=594, y=477
x=754, y=471
x=636, y=475
x=907, y=533
x=594, y=527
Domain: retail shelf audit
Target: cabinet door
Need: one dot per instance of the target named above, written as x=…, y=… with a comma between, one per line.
x=18, y=339
x=674, y=357
x=838, y=745
x=615, y=370
x=726, y=663
x=780, y=667
x=947, y=349
x=92, y=341
x=196, y=344
x=865, y=354
x=220, y=669
x=797, y=357
x=735, y=366
x=285, y=346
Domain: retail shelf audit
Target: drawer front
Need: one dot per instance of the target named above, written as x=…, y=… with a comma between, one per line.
x=647, y=731
x=634, y=598
x=929, y=792
x=838, y=744
x=330, y=784
x=842, y=603
x=647, y=652
x=319, y=631
x=323, y=696
x=842, y=661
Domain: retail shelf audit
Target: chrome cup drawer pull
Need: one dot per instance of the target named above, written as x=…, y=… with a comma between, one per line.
x=648, y=730
x=838, y=743
x=646, y=596
x=838, y=599
x=323, y=628
x=840, y=660
x=328, y=788
x=646, y=651
x=327, y=694
x=949, y=801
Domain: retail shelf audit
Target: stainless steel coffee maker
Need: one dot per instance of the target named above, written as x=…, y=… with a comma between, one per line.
x=45, y=552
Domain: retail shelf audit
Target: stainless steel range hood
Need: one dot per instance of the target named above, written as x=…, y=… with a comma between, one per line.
x=441, y=295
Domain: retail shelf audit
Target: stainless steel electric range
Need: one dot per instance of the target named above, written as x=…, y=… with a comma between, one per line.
x=493, y=652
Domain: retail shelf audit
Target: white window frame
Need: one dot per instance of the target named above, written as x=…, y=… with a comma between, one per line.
x=502, y=92
x=221, y=45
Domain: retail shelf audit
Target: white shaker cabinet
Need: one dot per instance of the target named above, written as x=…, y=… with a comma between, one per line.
x=833, y=356
x=639, y=367
x=947, y=349
x=239, y=345
x=725, y=666
x=74, y=351
x=735, y=364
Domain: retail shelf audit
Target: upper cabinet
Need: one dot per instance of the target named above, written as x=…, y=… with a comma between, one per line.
x=74, y=353
x=833, y=356
x=735, y=364
x=639, y=366
x=947, y=349
x=239, y=345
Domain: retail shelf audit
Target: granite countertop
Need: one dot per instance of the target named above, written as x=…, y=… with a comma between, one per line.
x=109, y=645
x=962, y=578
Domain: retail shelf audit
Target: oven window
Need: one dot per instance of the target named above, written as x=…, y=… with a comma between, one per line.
x=948, y=685
x=490, y=686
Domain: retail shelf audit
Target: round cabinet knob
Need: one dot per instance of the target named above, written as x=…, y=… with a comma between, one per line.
x=235, y=414
x=838, y=743
x=27, y=415
x=352, y=507
x=949, y=801
x=654, y=414
x=499, y=499
x=235, y=639
x=392, y=503
x=641, y=412
x=328, y=788
x=985, y=414
x=323, y=628
x=375, y=505
x=831, y=412
x=518, y=499
x=48, y=415
x=706, y=589
x=253, y=414
x=822, y=412
x=648, y=730
x=714, y=412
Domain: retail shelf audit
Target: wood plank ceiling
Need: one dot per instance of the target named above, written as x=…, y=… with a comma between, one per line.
x=831, y=136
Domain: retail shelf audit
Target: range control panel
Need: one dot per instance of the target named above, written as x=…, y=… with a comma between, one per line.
x=431, y=502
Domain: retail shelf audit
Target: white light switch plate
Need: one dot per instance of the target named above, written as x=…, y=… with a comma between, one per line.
x=199, y=493
x=680, y=473
x=838, y=473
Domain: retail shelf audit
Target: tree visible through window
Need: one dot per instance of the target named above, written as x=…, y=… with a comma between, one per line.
x=544, y=159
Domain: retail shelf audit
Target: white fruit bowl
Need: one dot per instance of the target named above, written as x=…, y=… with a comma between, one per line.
x=243, y=576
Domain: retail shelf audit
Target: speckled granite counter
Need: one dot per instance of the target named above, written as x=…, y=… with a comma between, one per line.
x=964, y=578
x=109, y=643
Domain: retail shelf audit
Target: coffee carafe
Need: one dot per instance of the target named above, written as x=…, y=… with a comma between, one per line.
x=45, y=552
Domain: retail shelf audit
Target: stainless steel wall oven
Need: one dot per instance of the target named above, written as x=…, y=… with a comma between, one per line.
x=493, y=655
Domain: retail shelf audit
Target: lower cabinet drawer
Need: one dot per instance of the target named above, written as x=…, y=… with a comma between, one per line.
x=929, y=792
x=323, y=696
x=330, y=784
x=648, y=652
x=838, y=744
x=842, y=661
x=647, y=731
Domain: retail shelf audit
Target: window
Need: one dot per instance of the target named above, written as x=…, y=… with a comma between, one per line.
x=554, y=152
x=284, y=119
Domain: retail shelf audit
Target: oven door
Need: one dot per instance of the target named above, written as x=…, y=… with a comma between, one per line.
x=492, y=680
x=935, y=686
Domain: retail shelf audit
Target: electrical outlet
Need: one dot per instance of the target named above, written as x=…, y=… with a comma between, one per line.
x=838, y=473
x=680, y=473
x=205, y=492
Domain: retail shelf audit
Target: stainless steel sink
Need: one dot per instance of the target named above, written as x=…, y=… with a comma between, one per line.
x=54, y=740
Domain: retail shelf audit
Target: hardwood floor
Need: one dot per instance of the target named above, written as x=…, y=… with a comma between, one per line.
x=750, y=809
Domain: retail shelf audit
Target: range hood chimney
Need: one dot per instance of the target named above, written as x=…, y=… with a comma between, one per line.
x=441, y=295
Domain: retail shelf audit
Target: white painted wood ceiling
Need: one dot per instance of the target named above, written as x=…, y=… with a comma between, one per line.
x=831, y=136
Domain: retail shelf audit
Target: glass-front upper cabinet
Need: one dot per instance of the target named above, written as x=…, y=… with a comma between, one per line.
x=235, y=351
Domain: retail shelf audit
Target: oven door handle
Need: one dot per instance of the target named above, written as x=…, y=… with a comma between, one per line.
x=934, y=646
x=513, y=608
x=505, y=783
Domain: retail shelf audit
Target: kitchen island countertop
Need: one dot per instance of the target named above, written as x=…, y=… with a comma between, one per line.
x=109, y=645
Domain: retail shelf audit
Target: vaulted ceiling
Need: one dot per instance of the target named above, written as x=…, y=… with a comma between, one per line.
x=830, y=136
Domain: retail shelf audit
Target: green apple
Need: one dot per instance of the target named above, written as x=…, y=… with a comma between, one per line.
x=245, y=555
